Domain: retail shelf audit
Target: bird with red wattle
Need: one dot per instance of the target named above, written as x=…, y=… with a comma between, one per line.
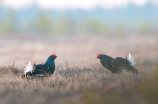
x=41, y=70
x=117, y=64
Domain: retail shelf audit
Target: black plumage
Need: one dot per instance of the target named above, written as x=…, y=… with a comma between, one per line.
x=42, y=70
x=117, y=64
x=48, y=67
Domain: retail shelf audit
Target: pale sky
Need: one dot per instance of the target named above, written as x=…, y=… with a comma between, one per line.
x=73, y=4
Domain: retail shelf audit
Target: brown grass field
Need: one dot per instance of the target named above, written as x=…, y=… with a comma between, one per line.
x=79, y=77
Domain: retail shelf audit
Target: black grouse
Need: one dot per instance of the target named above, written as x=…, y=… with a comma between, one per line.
x=117, y=64
x=41, y=70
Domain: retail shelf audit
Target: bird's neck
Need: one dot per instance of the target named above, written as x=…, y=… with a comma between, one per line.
x=49, y=62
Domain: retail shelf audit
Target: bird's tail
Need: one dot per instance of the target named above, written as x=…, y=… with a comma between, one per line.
x=131, y=60
x=28, y=68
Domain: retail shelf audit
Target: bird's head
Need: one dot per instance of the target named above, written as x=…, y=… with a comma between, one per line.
x=99, y=56
x=53, y=56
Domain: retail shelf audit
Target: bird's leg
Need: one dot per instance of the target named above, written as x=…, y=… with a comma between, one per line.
x=28, y=74
x=34, y=67
x=23, y=76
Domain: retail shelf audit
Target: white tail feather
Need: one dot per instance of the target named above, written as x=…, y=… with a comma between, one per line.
x=28, y=68
x=131, y=60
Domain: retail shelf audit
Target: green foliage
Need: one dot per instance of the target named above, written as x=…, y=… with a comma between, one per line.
x=44, y=22
x=145, y=27
x=97, y=97
x=149, y=90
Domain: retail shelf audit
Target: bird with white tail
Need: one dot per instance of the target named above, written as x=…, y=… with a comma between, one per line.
x=40, y=70
x=117, y=64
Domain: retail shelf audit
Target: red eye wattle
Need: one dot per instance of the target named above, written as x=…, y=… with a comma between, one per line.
x=53, y=55
x=98, y=55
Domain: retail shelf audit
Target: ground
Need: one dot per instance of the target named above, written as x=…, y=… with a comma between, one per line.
x=79, y=77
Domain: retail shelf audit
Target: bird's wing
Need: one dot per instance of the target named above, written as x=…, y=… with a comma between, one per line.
x=43, y=70
x=38, y=66
x=120, y=63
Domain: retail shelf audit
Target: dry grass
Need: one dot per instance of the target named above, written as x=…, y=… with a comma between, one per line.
x=79, y=78
x=73, y=85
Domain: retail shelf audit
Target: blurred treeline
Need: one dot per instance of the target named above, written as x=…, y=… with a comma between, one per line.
x=131, y=19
